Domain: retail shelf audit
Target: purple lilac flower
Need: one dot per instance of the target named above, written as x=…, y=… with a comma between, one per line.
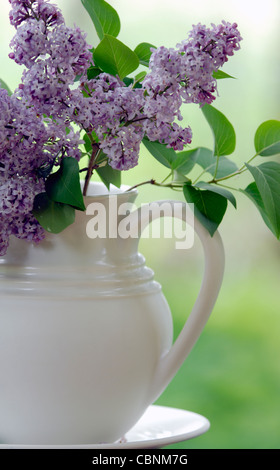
x=25, y=9
x=23, y=136
x=42, y=89
x=29, y=42
x=187, y=71
x=69, y=51
x=52, y=53
x=16, y=203
x=120, y=117
x=27, y=143
x=111, y=109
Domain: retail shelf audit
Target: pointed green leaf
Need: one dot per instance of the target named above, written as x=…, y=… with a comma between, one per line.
x=128, y=81
x=204, y=157
x=161, y=152
x=267, y=138
x=220, y=74
x=225, y=167
x=209, y=207
x=114, y=57
x=5, y=86
x=64, y=185
x=105, y=18
x=143, y=51
x=136, y=81
x=179, y=178
x=139, y=77
x=109, y=175
x=253, y=194
x=217, y=189
x=93, y=72
x=52, y=216
x=223, y=131
x=267, y=179
x=185, y=160
x=87, y=143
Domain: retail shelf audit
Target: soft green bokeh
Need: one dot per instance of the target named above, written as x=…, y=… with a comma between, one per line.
x=232, y=376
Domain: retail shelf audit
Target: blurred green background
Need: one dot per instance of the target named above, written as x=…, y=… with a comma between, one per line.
x=232, y=376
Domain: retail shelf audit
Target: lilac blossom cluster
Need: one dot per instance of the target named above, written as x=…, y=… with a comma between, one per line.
x=23, y=137
x=122, y=116
x=185, y=74
x=118, y=115
x=28, y=145
x=53, y=54
x=31, y=144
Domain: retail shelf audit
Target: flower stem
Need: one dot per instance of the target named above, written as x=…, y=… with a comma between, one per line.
x=227, y=187
x=238, y=172
x=244, y=166
x=152, y=181
x=91, y=167
x=217, y=165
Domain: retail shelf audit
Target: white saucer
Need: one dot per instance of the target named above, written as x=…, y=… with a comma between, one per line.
x=160, y=426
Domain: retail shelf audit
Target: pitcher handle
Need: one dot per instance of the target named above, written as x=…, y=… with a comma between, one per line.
x=212, y=279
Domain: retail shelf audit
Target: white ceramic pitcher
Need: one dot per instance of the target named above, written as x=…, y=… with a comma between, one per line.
x=86, y=333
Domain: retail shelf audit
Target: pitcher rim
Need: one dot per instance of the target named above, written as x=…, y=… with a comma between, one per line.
x=123, y=190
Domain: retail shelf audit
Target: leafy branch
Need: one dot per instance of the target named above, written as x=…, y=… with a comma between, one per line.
x=55, y=208
x=210, y=197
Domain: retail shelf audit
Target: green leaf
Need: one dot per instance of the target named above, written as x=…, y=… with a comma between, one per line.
x=267, y=138
x=179, y=178
x=253, y=194
x=217, y=189
x=166, y=156
x=185, y=160
x=52, y=216
x=209, y=207
x=109, y=175
x=267, y=179
x=64, y=185
x=87, y=143
x=204, y=157
x=93, y=72
x=220, y=74
x=105, y=18
x=136, y=81
x=225, y=167
x=5, y=86
x=139, y=78
x=223, y=131
x=128, y=81
x=143, y=51
x=114, y=57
